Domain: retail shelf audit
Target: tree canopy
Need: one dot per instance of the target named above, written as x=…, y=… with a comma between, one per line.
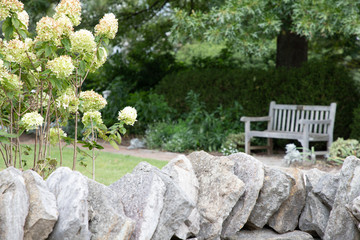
x=250, y=26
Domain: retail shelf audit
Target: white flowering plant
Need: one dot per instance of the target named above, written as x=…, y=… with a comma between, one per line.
x=41, y=78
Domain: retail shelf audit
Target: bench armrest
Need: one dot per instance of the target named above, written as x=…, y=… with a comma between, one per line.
x=306, y=121
x=255, y=119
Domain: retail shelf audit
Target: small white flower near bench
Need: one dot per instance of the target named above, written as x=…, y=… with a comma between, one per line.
x=304, y=123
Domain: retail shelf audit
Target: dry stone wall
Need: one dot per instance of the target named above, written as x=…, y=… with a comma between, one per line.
x=199, y=197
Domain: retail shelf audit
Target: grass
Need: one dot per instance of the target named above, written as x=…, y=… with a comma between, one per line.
x=110, y=167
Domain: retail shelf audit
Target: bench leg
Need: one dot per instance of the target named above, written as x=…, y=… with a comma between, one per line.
x=247, y=144
x=305, y=146
x=270, y=146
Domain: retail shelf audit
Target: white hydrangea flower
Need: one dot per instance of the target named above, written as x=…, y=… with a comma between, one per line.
x=92, y=101
x=15, y=51
x=107, y=27
x=10, y=82
x=70, y=9
x=62, y=66
x=48, y=30
x=65, y=26
x=68, y=100
x=94, y=116
x=128, y=115
x=24, y=18
x=82, y=41
x=9, y=6
x=32, y=120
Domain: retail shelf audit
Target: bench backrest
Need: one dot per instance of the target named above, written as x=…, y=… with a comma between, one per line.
x=286, y=117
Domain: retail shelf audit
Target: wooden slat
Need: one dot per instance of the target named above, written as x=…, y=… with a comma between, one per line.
x=293, y=120
x=275, y=118
x=297, y=125
x=283, y=120
x=288, y=118
x=327, y=114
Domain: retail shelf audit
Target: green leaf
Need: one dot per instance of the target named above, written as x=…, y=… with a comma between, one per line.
x=22, y=33
x=6, y=24
x=66, y=43
x=15, y=22
x=106, y=41
x=114, y=145
x=4, y=140
x=9, y=32
x=48, y=51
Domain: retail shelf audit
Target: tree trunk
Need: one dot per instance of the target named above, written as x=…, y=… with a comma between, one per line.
x=292, y=49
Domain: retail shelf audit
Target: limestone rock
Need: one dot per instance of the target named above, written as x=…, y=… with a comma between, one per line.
x=326, y=188
x=251, y=172
x=286, y=218
x=14, y=204
x=71, y=191
x=107, y=219
x=315, y=216
x=176, y=209
x=341, y=224
x=220, y=189
x=275, y=191
x=312, y=177
x=43, y=212
x=142, y=195
x=355, y=211
x=182, y=173
x=267, y=234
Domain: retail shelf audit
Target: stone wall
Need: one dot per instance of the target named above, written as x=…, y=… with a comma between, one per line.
x=195, y=197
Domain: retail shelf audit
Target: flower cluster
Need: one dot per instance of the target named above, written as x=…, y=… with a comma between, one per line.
x=24, y=18
x=54, y=135
x=92, y=116
x=107, y=27
x=15, y=50
x=65, y=26
x=62, y=66
x=82, y=41
x=47, y=30
x=68, y=100
x=91, y=101
x=9, y=6
x=8, y=81
x=32, y=120
x=128, y=115
x=70, y=9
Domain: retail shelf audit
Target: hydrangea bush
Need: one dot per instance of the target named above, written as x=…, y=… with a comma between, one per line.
x=41, y=78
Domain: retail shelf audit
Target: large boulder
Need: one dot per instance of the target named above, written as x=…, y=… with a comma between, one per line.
x=107, y=219
x=287, y=217
x=251, y=172
x=276, y=189
x=43, y=212
x=267, y=234
x=142, y=194
x=326, y=188
x=341, y=224
x=220, y=189
x=14, y=204
x=315, y=216
x=71, y=191
x=177, y=207
x=182, y=173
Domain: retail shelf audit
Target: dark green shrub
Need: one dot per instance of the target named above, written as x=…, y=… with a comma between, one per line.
x=316, y=83
x=355, y=125
x=197, y=129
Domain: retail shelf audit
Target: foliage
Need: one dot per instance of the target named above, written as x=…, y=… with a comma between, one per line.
x=251, y=26
x=355, y=125
x=233, y=143
x=340, y=149
x=316, y=83
x=197, y=129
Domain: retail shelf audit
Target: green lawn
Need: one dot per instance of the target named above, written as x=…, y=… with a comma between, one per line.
x=109, y=166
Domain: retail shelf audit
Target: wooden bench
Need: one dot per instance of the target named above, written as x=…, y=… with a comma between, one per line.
x=304, y=123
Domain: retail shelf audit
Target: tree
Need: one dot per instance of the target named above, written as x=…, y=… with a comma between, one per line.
x=251, y=26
